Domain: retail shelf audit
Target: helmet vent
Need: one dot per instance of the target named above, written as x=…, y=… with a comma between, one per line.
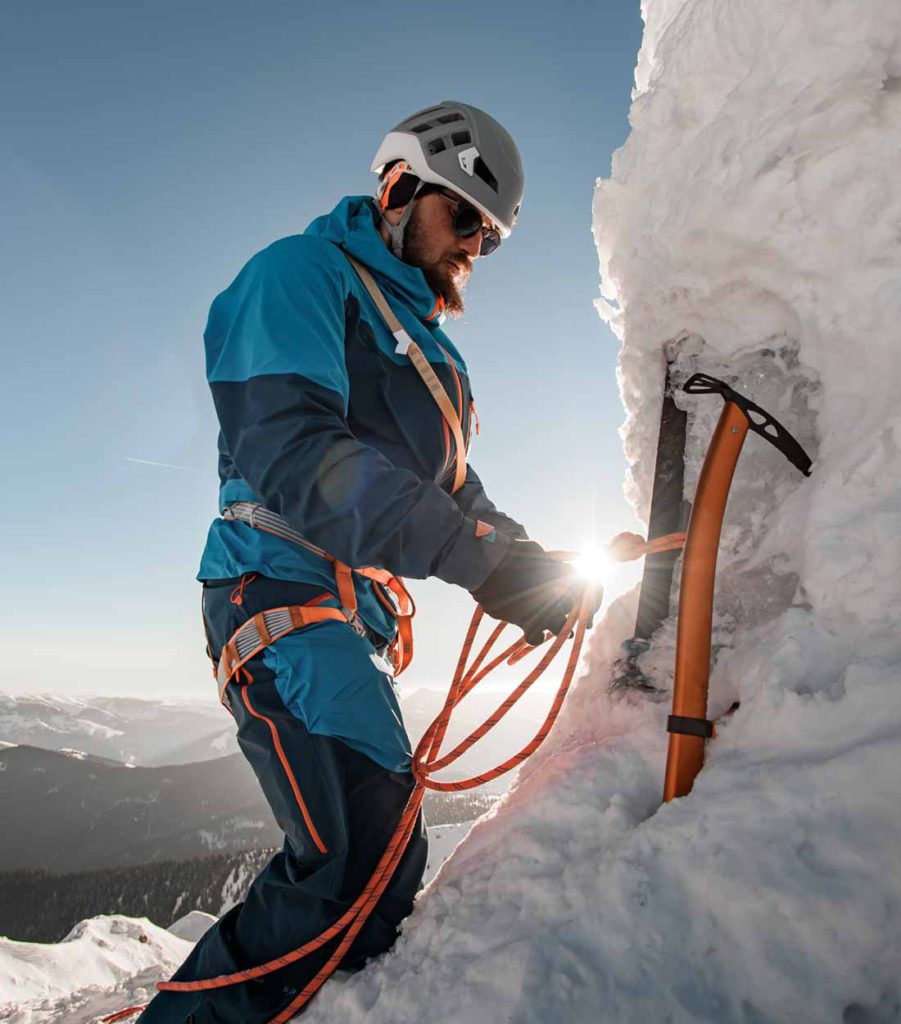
x=423, y=113
x=436, y=146
x=420, y=128
x=461, y=138
x=482, y=170
x=448, y=118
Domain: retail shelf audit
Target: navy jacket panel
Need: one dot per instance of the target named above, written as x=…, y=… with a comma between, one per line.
x=472, y=499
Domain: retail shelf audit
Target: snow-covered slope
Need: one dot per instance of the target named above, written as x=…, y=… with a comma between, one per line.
x=192, y=926
x=110, y=961
x=86, y=973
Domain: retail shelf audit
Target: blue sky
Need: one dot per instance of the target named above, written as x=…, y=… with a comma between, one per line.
x=150, y=150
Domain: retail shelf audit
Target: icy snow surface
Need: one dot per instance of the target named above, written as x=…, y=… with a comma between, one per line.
x=192, y=925
x=87, y=973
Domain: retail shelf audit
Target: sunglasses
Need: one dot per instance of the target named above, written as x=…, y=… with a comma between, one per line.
x=468, y=222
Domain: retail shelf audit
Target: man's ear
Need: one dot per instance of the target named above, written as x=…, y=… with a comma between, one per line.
x=396, y=187
x=394, y=216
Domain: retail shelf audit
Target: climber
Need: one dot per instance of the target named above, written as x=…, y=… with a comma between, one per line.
x=333, y=453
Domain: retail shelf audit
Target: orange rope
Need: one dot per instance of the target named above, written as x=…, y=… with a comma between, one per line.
x=426, y=760
x=626, y=547
x=122, y=1014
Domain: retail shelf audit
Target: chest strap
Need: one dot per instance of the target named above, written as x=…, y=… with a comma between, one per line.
x=408, y=347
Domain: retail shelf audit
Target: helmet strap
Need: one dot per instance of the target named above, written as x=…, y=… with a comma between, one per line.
x=397, y=231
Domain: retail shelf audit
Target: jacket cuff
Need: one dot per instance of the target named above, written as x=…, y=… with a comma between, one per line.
x=473, y=555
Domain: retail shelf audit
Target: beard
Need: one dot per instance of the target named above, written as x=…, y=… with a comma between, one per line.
x=446, y=272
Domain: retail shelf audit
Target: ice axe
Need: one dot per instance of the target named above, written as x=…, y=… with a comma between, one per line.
x=688, y=724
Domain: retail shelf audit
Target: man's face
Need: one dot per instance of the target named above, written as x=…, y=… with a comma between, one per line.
x=431, y=244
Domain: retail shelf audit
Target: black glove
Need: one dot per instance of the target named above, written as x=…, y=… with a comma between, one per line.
x=529, y=589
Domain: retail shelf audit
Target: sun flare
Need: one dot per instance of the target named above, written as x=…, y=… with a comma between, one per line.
x=593, y=564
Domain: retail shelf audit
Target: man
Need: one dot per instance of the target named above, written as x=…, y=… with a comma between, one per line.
x=335, y=453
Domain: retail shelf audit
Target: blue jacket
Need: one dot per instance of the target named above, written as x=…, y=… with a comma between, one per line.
x=325, y=423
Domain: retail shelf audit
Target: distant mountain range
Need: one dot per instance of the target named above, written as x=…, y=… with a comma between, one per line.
x=123, y=805
x=105, y=782
x=64, y=812
x=154, y=732
x=39, y=907
x=71, y=812
x=144, y=732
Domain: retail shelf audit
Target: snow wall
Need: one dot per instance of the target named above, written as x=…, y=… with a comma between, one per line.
x=752, y=229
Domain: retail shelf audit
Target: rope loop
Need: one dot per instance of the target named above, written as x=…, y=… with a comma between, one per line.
x=627, y=547
x=427, y=760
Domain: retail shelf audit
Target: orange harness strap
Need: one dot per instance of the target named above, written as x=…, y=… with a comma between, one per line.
x=263, y=629
x=403, y=609
x=266, y=627
x=408, y=347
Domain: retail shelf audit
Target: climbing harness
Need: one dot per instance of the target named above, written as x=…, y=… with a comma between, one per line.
x=266, y=627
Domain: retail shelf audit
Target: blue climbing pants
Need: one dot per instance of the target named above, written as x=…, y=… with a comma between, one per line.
x=338, y=809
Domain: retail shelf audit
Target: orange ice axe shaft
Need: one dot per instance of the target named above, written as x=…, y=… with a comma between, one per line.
x=688, y=725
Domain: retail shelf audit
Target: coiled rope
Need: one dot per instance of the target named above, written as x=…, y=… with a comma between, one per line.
x=426, y=761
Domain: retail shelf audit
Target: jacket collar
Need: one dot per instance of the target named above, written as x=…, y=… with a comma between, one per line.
x=353, y=224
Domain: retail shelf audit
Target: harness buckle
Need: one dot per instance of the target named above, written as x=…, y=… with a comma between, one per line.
x=355, y=623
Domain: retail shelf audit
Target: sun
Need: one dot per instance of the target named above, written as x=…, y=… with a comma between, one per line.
x=593, y=564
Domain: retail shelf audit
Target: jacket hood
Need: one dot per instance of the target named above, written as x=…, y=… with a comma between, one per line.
x=353, y=224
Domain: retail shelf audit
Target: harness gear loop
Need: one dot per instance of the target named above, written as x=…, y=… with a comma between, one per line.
x=407, y=346
x=237, y=595
x=265, y=628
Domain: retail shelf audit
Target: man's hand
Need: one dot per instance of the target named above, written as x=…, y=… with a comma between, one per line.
x=530, y=589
